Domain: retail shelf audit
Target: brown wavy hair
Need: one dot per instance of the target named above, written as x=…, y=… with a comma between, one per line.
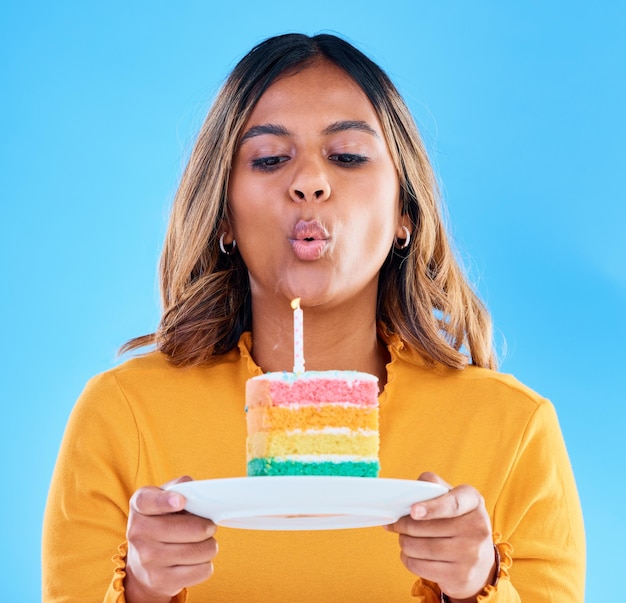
x=423, y=294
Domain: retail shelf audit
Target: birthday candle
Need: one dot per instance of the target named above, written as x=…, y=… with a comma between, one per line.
x=298, y=337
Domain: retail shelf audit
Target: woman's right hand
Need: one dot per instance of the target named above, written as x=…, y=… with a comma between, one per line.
x=168, y=548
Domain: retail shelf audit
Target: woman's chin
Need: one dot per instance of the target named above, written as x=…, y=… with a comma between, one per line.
x=310, y=295
x=316, y=284
x=313, y=287
x=319, y=291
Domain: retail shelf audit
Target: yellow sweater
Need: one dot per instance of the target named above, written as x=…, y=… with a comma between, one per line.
x=147, y=422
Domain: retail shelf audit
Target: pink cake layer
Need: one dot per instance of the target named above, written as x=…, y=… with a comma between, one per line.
x=313, y=388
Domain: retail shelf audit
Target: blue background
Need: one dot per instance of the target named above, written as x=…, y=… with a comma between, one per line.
x=521, y=106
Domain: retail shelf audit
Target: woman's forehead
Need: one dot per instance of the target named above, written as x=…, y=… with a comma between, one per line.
x=320, y=91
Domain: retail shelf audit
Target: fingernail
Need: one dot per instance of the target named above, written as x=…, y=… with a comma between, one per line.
x=175, y=501
x=418, y=511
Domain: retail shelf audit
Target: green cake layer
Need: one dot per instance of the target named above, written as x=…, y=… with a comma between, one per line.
x=270, y=466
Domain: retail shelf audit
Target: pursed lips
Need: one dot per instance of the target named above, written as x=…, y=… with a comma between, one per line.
x=309, y=239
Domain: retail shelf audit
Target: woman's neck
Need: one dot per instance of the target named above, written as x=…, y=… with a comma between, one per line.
x=334, y=339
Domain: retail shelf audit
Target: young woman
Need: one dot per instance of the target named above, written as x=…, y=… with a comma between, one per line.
x=309, y=180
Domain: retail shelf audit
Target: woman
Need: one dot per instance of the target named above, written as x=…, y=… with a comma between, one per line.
x=309, y=180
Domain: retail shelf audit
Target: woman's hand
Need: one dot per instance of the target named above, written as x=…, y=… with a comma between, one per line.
x=448, y=540
x=168, y=548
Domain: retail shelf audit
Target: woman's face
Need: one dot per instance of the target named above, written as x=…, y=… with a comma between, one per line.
x=314, y=194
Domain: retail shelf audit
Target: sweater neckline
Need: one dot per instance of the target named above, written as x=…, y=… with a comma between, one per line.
x=395, y=347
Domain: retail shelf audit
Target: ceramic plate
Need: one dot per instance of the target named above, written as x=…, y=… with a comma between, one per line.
x=304, y=502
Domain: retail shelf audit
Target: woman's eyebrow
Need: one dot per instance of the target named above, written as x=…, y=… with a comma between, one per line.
x=274, y=129
x=342, y=126
x=334, y=128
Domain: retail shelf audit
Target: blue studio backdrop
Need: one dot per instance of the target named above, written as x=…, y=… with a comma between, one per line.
x=521, y=106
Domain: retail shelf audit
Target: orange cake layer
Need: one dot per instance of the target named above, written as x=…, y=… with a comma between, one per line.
x=270, y=418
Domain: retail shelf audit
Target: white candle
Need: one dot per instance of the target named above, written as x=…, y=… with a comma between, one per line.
x=298, y=337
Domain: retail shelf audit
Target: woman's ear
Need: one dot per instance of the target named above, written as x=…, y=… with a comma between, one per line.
x=226, y=236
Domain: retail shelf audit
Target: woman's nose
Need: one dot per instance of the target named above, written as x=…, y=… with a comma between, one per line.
x=310, y=183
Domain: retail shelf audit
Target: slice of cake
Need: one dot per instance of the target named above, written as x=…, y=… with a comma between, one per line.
x=313, y=423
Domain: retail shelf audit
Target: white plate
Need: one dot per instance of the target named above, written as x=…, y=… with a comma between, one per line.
x=304, y=502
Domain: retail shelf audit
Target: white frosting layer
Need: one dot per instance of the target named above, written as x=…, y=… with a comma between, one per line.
x=333, y=431
x=297, y=405
x=347, y=376
x=318, y=458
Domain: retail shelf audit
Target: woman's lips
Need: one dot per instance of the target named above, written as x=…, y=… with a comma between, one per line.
x=309, y=250
x=309, y=240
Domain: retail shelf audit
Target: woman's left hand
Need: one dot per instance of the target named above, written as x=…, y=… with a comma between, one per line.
x=448, y=540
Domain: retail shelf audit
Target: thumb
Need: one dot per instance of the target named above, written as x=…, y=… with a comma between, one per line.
x=419, y=510
x=151, y=500
x=433, y=478
x=175, y=500
x=178, y=480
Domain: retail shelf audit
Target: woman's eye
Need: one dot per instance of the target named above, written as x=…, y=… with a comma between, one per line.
x=348, y=159
x=267, y=164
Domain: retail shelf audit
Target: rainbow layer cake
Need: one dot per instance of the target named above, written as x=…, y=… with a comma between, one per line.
x=313, y=423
